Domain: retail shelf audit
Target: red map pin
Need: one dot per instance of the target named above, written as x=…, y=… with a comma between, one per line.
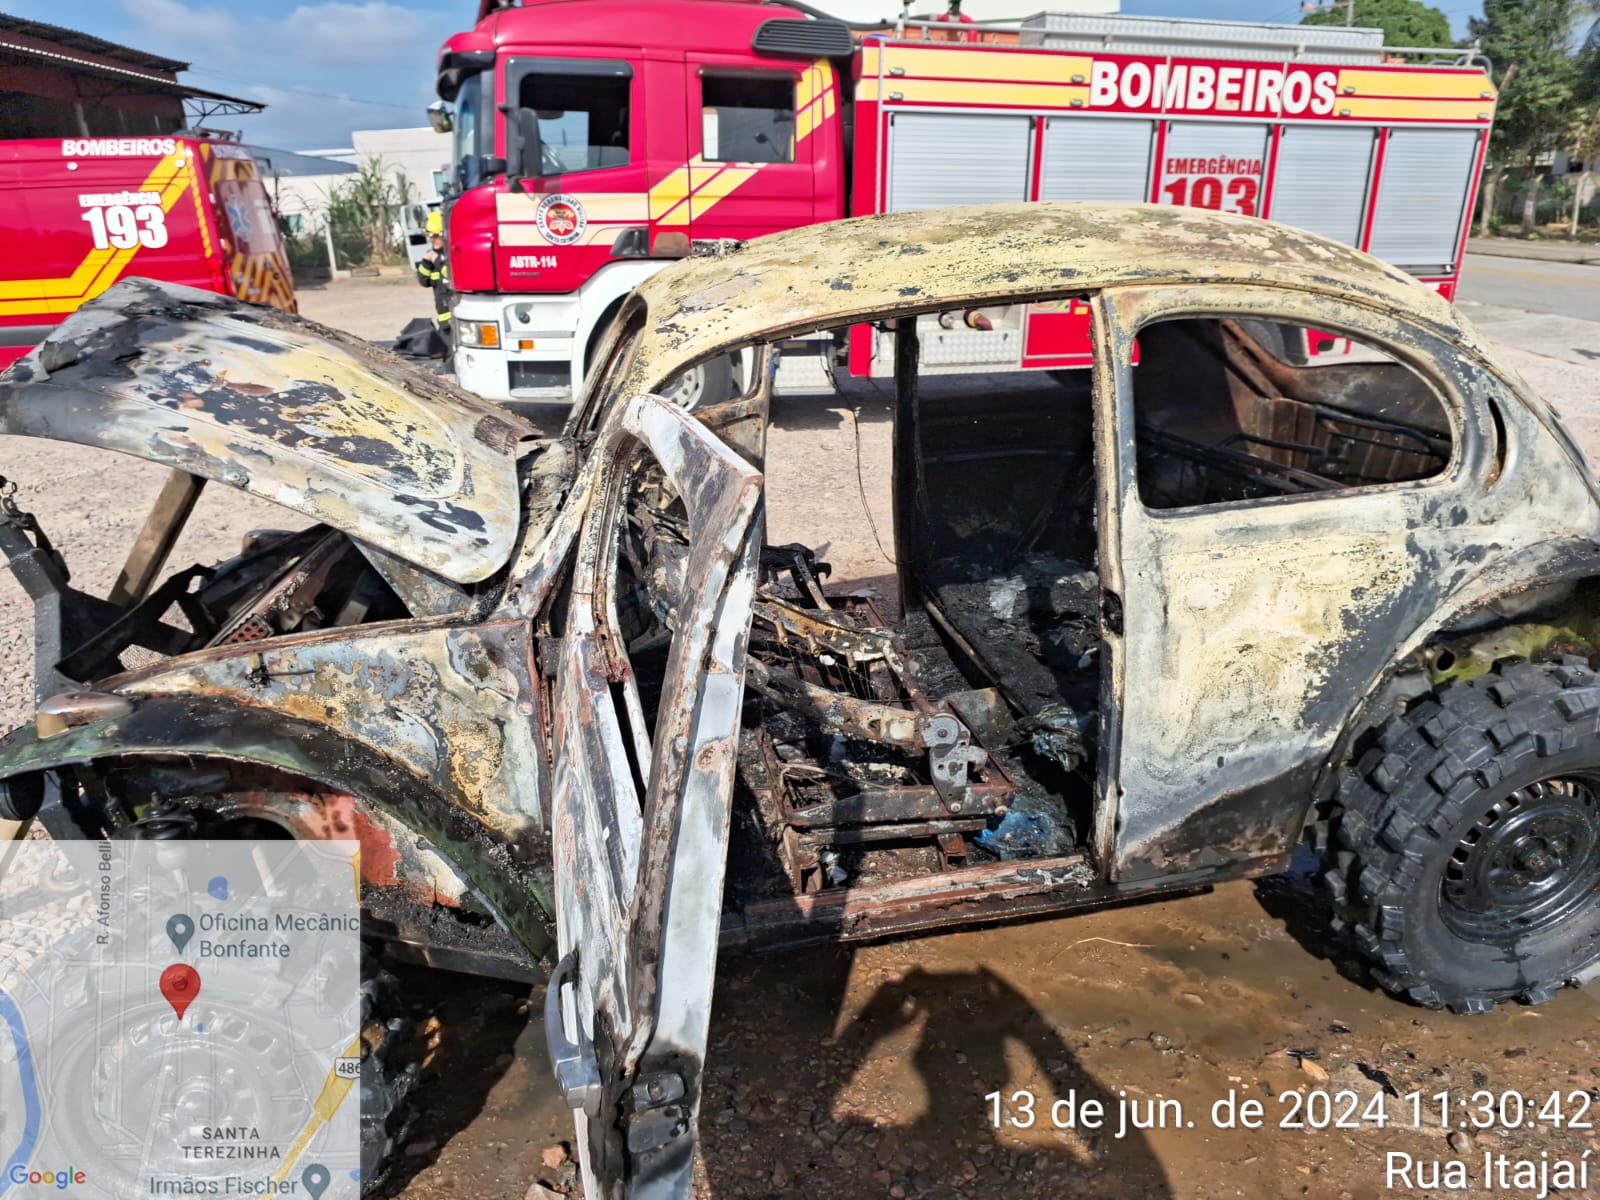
x=180, y=984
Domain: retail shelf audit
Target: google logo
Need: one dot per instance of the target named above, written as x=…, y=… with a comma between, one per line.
x=55, y=1179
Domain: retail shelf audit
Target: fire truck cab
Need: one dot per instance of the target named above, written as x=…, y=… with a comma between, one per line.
x=596, y=141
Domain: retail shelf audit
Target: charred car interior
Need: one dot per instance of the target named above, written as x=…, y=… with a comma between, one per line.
x=956, y=725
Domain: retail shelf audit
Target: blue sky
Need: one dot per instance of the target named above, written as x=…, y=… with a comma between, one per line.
x=326, y=68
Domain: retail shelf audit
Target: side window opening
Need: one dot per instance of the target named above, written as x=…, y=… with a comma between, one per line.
x=1230, y=410
x=583, y=118
x=747, y=118
x=925, y=661
x=652, y=552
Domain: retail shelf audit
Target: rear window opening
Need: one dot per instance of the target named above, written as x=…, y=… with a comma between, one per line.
x=1236, y=410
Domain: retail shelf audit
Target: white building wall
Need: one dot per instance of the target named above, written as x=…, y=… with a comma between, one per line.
x=415, y=153
x=303, y=196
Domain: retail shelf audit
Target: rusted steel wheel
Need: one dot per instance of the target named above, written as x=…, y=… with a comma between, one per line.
x=1464, y=850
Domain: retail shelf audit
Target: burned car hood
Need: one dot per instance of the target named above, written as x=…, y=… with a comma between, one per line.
x=288, y=410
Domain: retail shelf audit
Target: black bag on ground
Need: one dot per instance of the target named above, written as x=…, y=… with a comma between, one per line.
x=421, y=339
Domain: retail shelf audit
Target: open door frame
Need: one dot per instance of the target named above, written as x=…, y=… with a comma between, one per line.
x=639, y=877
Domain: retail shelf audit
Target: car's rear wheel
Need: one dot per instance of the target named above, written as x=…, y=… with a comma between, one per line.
x=1464, y=848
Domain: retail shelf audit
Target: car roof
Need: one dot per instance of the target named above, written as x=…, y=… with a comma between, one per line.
x=820, y=275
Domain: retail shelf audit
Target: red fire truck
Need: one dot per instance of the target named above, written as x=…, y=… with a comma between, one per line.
x=82, y=213
x=597, y=139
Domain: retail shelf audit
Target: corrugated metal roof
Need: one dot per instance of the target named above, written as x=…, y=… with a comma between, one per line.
x=163, y=84
x=87, y=43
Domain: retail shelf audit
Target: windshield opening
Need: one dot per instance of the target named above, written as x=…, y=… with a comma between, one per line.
x=466, y=152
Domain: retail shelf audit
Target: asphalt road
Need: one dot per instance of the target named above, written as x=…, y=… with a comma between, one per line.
x=1568, y=289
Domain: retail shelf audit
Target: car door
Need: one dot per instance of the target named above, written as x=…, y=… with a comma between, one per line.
x=1251, y=625
x=645, y=693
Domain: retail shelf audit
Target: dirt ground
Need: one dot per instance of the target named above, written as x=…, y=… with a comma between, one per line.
x=866, y=1072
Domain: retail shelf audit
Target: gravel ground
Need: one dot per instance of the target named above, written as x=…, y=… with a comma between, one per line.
x=864, y=1072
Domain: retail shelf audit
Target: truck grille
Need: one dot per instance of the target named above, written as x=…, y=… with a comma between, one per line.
x=540, y=376
x=803, y=39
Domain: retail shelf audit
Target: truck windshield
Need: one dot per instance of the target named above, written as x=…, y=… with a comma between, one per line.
x=583, y=111
x=468, y=153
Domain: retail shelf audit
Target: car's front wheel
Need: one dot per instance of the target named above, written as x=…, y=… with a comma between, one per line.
x=1464, y=849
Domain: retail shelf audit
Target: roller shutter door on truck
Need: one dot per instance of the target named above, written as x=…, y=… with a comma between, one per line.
x=1422, y=193
x=1095, y=158
x=1214, y=164
x=937, y=159
x=1320, y=183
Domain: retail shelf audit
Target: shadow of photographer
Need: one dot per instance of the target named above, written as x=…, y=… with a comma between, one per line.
x=900, y=1101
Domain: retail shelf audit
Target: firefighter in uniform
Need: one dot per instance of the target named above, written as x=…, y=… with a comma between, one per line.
x=433, y=271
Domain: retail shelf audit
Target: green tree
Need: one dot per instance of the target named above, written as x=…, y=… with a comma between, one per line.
x=361, y=211
x=1404, y=22
x=1584, y=137
x=1529, y=43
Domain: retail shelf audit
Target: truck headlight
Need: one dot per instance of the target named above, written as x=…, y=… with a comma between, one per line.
x=479, y=333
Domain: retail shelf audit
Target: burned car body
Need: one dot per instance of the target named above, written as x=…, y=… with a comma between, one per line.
x=1158, y=621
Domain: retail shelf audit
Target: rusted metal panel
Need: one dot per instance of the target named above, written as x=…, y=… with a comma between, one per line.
x=645, y=967
x=168, y=729
x=1253, y=631
x=319, y=422
x=996, y=892
x=454, y=704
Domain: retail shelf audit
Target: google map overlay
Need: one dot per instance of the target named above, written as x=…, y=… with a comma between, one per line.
x=180, y=1019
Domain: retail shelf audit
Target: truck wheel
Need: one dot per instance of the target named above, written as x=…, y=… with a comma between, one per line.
x=700, y=386
x=1464, y=847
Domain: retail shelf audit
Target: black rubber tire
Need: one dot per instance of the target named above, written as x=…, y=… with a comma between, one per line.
x=719, y=382
x=1433, y=775
x=389, y=1071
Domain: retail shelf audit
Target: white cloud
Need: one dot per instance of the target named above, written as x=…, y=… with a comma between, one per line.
x=300, y=60
x=371, y=34
x=295, y=120
x=173, y=28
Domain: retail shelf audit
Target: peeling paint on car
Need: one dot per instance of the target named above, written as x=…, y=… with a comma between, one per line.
x=275, y=405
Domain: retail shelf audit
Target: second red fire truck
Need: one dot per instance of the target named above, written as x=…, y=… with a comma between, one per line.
x=596, y=140
x=83, y=213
